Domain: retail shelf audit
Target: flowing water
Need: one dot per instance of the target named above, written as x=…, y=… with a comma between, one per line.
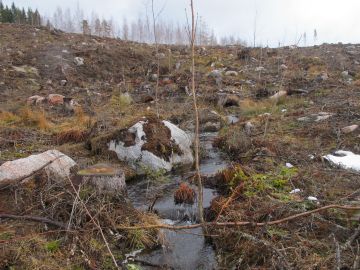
x=185, y=249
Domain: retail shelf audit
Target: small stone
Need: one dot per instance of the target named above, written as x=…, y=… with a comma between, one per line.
x=278, y=95
x=231, y=73
x=349, y=129
x=258, y=69
x=345, y=74
x=215, y=74
x=289, y=165
x=294, y=191
x=232, y=119
x=312, y=198
x=63, y=82
x=249, y=127
x=55, y=99
x=153, y=77
x=160, y=56
x=35, y=100
x=79, y=61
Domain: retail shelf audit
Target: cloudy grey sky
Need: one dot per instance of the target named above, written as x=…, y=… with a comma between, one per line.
x=277, y=20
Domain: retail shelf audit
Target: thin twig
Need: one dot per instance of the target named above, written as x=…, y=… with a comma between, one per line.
x=241, y=223
x=36, y=219
x=337, y=253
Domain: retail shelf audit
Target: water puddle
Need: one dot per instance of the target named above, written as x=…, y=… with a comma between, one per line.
x=185, y=249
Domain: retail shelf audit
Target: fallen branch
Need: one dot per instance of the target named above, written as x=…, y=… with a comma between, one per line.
x=241, y=223
x=36, y=219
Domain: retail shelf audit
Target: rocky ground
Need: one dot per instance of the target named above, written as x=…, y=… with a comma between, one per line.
x=278, y=112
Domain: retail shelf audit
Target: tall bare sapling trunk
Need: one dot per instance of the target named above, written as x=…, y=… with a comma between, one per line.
x=157, y=59
x=196, y=112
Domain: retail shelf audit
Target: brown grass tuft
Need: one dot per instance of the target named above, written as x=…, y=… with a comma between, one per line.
x=34, y=118
x=71, y=135
x=184, y=194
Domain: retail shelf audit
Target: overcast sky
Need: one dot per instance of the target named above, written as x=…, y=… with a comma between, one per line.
x=276, y=20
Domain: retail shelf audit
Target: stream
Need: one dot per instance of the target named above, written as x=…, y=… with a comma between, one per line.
x=186, y=249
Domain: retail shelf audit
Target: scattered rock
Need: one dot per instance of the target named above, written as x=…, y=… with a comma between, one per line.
x=349, y=129
x=258, y=69
x=160, y=55
x=249, y=128
x=55, y=99
x=217, y=75
x=279, y=95
x=345, y=74
x=153, y=77
x=63, y=82
x=104, y=178
x=58, y=167
x=232, y=119
x=153, y=143
x=289, y=165
x=79, y=61
x=231, y=73
x=316, y=117
x=283, y=67
x=312, y=198
x=35, y=100
x=294, y=191
x=323, y=77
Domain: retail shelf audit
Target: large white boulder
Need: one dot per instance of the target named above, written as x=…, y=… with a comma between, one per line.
x=58, y=167
x=154, y=151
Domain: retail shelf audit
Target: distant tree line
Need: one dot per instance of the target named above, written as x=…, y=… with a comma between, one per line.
x=14, y=14
x=139, y=30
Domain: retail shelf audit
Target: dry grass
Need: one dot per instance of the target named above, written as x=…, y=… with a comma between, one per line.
x=184, y=194
x=26, y=245
x=8, y=118
x=71, y=135
x=27, y=117
x=250, y=107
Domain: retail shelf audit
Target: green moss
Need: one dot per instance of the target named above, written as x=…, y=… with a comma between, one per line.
x=274, y=231
x=52, y=246
x=6, y=235
x=95, y=245
x=133, y=267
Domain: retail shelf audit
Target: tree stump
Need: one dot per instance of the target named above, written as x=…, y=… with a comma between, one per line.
x=105, y=178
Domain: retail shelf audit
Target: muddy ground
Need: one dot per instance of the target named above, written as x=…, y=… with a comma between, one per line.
x=115, y=86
